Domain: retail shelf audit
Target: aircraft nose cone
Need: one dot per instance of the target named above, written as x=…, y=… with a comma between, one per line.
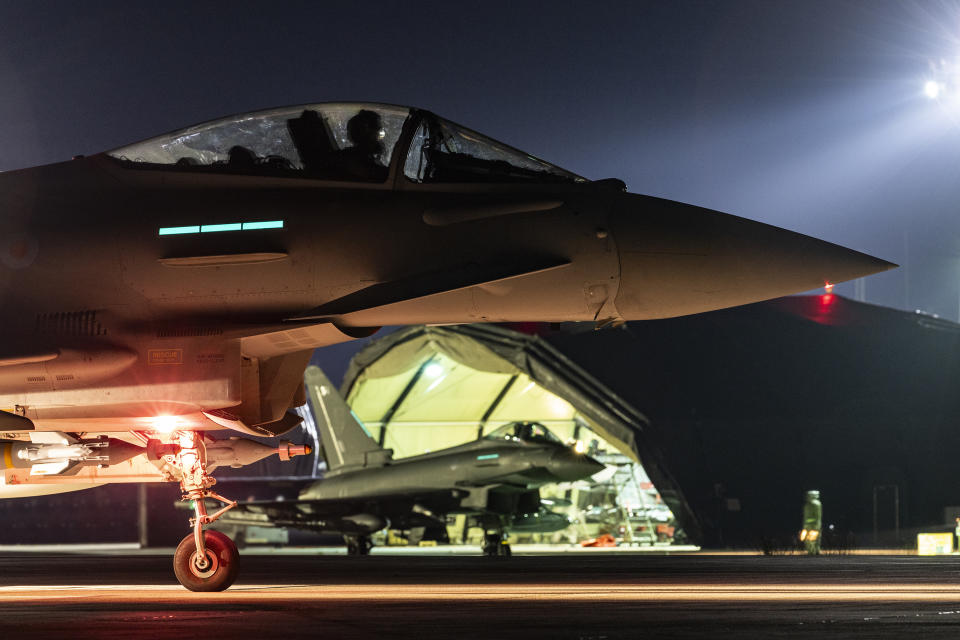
x=678, y=259
x=568, y=465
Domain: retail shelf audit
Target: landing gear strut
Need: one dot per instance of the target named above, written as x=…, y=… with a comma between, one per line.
x=358, y=545
x=204, y=560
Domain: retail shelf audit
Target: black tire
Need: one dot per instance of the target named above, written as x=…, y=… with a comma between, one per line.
x=491, y=545
x=358, y=545
x=223, y=557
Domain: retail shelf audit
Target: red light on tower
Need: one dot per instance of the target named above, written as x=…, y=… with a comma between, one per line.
x=826, y=300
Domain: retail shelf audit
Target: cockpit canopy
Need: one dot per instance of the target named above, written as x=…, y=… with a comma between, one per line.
x=524, y=432
x=347, y=142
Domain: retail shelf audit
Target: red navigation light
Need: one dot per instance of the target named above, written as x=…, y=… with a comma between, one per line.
x=826, y=300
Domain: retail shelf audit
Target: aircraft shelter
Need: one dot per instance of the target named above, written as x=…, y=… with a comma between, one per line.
x=426, y=388
x=743, y=410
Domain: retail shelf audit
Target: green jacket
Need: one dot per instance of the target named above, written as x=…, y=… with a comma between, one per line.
x=812, y=514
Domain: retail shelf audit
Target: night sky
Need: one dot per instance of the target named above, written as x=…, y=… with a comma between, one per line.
x=808, y=115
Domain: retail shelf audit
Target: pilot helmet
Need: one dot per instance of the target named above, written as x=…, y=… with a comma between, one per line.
x=365, y=127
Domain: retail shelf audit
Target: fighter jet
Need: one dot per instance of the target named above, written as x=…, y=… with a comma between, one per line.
x=495, y=480
x=179, y=285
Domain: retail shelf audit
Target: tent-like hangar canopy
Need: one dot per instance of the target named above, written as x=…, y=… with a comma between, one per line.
x=425, y=388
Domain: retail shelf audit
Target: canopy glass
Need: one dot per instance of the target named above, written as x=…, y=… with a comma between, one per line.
x=351, y=142
x=344, y=142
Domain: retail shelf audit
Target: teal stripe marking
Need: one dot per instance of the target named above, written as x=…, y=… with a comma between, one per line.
x=489, y=456
x=213, y=228
x=269, y=224
x=208, y=228
x=172, y=231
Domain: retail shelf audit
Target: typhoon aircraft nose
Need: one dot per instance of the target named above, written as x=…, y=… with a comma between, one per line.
x=678, y=259
x=568, y=465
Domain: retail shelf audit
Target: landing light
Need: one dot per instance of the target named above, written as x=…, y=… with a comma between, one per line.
x=165, y=424
x=580, y=446
x=433, y=370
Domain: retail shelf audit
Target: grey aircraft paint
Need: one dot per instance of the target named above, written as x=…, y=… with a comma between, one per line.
x=109, y=323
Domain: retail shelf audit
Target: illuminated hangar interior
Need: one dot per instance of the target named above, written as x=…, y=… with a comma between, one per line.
x=426, y=388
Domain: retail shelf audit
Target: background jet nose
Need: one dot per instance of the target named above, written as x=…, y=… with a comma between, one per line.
x=568, y=465
x=678, y=259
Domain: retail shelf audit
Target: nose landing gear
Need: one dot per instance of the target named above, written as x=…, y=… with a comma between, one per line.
x=215, y=570
x=496, y=544
x=358, y=545
x=204, y=560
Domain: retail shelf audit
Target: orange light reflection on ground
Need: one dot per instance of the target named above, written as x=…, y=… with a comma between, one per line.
x=599, y=592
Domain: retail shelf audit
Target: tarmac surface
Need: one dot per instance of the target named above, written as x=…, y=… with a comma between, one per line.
x=580, y=596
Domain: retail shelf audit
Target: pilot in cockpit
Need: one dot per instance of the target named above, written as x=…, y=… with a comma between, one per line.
x=321, y=157
x=523, y=431
x=362, y=160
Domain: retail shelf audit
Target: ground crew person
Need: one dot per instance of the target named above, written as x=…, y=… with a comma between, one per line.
x=812, y=523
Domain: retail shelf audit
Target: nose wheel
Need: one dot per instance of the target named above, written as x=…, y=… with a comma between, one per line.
x=214, y=569
x=358, y=545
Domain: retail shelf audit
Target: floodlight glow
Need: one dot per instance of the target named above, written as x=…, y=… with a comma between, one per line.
x=433, y=370
x=433, y=385
x=558, y=406
x=932, y=89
